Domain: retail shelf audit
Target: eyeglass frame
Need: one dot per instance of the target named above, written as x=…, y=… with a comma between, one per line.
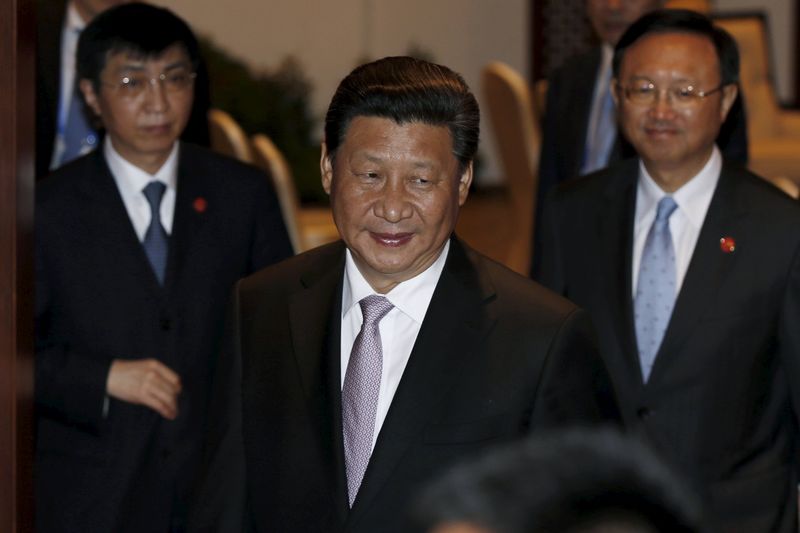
x=673, y=93
x=123, y=85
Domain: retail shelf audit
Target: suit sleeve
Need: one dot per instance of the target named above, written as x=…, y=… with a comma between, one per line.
x=548, y=168
x=789, y=333
x=68, y=384
x=219, y=503
x=575, y=387
x=550, y=269
x=270, y=242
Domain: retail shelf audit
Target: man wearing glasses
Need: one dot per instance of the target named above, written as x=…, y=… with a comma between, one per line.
x=138, y=245
x=690, y=269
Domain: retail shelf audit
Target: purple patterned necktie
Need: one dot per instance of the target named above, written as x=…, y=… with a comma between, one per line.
x=362, y=382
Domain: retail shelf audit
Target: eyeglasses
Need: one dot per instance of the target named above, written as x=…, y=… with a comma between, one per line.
x=682, y=96
x=134, y=85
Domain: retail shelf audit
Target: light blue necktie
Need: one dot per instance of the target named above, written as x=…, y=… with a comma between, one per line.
x=362, y=384
x=155, y=239
x=79, y=137
x=600, y=141
x=655, y=290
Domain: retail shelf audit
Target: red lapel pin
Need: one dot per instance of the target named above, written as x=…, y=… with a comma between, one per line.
x=200, y=204
x=727, y=245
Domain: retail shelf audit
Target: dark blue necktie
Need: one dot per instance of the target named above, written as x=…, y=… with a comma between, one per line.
x=655, y=289
x=155, y=239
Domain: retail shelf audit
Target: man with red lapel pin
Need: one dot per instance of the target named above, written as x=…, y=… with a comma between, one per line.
x=690, y=269
x=137, y=247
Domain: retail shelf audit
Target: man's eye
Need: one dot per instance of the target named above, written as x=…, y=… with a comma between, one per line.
x=129, y=82
x=684, y=93
x=178, y=79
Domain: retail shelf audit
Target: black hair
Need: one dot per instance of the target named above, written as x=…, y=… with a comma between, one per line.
x=141, y=30
x=570, y=481
x=683, y=21
x=406, y=89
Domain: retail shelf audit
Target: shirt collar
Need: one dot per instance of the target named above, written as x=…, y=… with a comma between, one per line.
x=692, y=198
x=132, y=178
x=411, y=297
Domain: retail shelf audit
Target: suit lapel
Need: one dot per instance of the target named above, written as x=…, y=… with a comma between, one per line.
x=315, y=318
x=110, y=226
x=708, y=268
x=616, y=233
x=192, y=208
x=454, y=323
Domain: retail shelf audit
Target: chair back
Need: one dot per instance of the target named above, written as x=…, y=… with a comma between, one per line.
x=227, y=137
x=514, y=122
x=268, y=158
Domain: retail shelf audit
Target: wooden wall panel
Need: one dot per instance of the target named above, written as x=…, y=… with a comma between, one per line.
x=16, y=265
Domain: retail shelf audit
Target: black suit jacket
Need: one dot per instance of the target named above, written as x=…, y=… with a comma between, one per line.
x=50, y=16
x=570, y=90
x=97, y=299
x=496, y=357
x=722, y=400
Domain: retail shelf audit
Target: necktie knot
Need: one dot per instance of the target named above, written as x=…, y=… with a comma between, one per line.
x=154, y=192
x=374, y=308
x=666, y=206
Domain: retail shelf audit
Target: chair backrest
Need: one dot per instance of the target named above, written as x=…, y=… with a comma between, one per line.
x=701, y=6
x=758, y=89
x=268, y=158
x=227, y=137
x=515, y=124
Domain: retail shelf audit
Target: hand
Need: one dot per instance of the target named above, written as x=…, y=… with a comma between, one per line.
x=145, y=382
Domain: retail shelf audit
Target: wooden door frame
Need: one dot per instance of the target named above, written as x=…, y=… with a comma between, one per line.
x=17, y=89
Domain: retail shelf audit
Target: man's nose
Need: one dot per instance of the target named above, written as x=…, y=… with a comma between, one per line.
x=394, y=204
x=156, y=95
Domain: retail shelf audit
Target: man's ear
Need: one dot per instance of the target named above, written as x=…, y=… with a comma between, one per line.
x=326, y=169
x=463, y=184
x=729, y=93
x=89, y=94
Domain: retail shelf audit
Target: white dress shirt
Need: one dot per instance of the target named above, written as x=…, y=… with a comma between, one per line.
x=693, y=199
x=73, y=26
x=131, y=181
x=398, y=329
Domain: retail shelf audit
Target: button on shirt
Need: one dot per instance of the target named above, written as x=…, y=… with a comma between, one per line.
x=399, y=328
x=685, y=223
x=130, y=181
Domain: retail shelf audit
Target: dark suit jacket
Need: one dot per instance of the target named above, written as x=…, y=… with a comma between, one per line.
x=97, y=299
x=570, y=90
x=496, y=357
x=722, y=400
x=50, y=16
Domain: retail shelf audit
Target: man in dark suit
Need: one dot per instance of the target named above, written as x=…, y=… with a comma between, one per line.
x=137, y=247
x=357, y=370
x=579, y=131
x=690, y=269
x=58, y=26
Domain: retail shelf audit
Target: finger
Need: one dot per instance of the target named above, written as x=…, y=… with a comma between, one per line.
x=164, y=394
x=166, y=373
x=161, y=404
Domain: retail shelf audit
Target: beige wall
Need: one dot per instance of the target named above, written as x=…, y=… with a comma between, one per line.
x=781, y=17
x=330, y=37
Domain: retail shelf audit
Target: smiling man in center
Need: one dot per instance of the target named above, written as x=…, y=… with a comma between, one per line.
x=358, y=370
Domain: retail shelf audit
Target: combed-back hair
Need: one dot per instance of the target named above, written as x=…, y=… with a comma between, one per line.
x=405, y=89
x=137, y=29
x=683, y=21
